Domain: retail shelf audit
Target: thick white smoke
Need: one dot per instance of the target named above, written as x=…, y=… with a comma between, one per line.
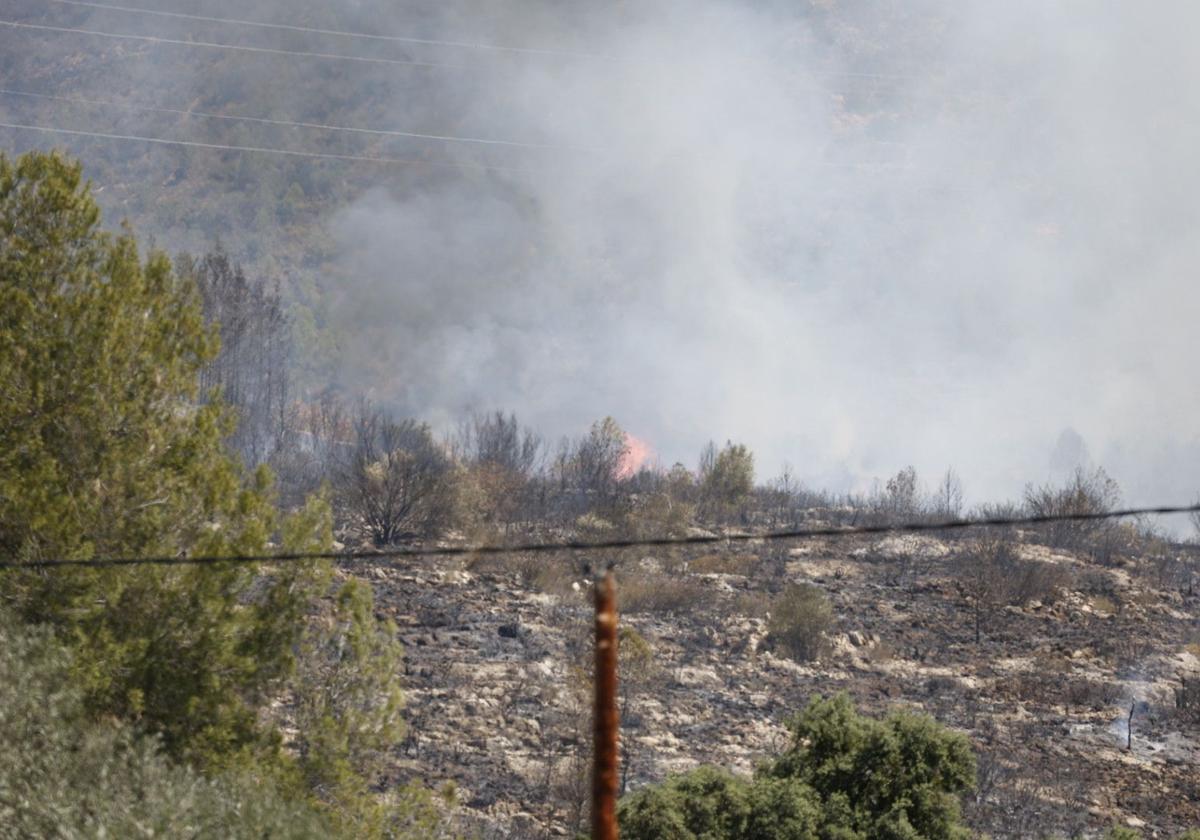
x=852, y=236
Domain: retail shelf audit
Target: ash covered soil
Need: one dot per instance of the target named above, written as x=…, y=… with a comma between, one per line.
x=497, y=676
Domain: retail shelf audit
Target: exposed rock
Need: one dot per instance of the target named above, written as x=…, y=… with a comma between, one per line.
x=497, y=681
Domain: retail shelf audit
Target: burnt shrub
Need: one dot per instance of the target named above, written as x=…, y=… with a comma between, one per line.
x=1085, y=494
x=1036, y=580
x=1089, y=693
x=1187, y=697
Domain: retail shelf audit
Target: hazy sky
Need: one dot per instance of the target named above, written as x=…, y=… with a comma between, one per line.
x=949, y=262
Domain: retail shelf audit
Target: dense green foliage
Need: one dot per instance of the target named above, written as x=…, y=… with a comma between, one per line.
x=712, y=803
x=104, y=450
x=165, y=682
x=107, y=449
x=845, y=777
x=348, y=709
x=63, y=774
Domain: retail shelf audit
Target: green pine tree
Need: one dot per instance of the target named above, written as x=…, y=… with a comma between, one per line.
x=107, y=450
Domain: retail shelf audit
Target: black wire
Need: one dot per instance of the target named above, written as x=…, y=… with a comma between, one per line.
x=604, y=545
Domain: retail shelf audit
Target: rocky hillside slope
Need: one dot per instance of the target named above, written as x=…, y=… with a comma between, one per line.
x=497, y=663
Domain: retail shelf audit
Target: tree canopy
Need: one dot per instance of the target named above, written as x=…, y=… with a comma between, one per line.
x=845, y=777
x=105, y=450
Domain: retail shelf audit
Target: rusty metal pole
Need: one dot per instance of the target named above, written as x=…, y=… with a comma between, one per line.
x=605, y=721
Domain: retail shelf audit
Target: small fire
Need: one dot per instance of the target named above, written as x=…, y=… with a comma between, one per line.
x=638, y=454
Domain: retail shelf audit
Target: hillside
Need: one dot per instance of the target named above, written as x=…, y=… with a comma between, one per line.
x=293, y=219
x=1044, y=696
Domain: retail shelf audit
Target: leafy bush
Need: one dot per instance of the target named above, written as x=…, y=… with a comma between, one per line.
x=712, y=803
x=395, y=481
x=587, y=472
x=845, y=776
x=800, y=618
x=899, y=500
x=63, y=775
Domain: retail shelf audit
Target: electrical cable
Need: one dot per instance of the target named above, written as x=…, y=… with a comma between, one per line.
x=154, y=39
x=79, y=100
x=603, y=545
x=196, y=144
x=433, y=42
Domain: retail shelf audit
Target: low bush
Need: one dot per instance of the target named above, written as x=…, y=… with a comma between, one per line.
x=1091, y=693
x=661, y=594
x=63, y=774
x=751, y=604
x=1187, y=697
x=800, y=619
x=1036, y=580
x=1124, y=833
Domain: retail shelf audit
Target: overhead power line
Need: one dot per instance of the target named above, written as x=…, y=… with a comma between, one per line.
x=604, y=545
x=164, y=141
x=196, y=144
x=432, y=42
x=396, y=39
x=187, y=112
x=154, y=39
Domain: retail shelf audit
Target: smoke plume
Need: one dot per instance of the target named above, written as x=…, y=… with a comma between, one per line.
x=851, y=235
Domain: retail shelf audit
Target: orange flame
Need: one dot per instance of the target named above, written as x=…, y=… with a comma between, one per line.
x=638, y=454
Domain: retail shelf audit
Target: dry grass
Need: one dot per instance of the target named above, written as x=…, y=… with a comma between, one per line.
x=539, y=573
x=1104, y=605
x=661, y=594
x=750, y=604
x=723, y=564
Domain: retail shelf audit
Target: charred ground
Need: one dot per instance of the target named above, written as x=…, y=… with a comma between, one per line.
x=496, y=675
